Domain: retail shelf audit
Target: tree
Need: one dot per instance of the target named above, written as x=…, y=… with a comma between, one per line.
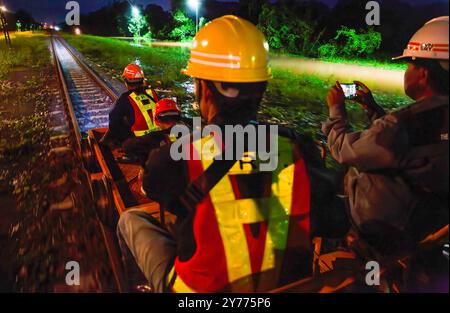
x=110, y=20
x=251, y=9
x=122, y=25
x=286, y=32
x=24, y=20
x=184, y=27
x=137, y=25
x=349, y=43
x=19, y=26
x=158, y=19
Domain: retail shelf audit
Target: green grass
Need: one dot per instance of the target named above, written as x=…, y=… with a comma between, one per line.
x=296, y=100
x=161, y=65
x=27, y=51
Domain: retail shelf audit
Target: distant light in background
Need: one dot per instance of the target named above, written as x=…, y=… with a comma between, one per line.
x=194, y=4
x=57, y=28
x=135, y=11
x=77, y=31
x=3, y=8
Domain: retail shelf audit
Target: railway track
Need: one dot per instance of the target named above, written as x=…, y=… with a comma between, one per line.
x=86, y=102
x=91, y=98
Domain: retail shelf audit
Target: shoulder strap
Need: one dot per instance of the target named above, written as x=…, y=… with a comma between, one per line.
x=149, y=92
x=197, y=190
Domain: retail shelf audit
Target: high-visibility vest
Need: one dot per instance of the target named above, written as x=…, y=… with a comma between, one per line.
x=228, y=255
x=144, y=108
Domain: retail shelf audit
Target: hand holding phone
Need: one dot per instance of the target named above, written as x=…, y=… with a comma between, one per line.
x=349, y=90
x=365, y=98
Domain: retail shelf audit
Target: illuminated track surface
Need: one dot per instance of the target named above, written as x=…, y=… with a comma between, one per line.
x=90, y=97
x=88, y=100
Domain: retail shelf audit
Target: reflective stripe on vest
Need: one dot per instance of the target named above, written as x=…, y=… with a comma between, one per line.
x=221, y=225
x=143, y=107
x=178, y=285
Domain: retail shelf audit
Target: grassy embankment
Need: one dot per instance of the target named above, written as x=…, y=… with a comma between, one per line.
x=293, y=98
x=36, y=239
x=23, y=146
x=23, y=97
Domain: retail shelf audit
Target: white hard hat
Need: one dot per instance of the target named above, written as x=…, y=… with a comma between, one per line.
x=429, y=42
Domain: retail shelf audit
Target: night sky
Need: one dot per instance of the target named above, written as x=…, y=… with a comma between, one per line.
x=54, y=10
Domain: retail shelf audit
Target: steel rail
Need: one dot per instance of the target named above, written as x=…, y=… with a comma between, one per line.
x=111, y=249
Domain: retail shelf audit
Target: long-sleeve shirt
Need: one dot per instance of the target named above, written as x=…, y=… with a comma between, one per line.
x=397, y=184
x=373, y=148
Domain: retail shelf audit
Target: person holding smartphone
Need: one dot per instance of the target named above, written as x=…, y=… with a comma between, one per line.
x=397, y=182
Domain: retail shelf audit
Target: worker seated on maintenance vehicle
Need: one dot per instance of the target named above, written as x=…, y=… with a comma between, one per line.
x=167, y=115
x=397, y=184
x=133, y=113
x=240, y=226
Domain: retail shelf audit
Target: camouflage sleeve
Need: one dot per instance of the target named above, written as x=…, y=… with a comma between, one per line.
x=373, y=148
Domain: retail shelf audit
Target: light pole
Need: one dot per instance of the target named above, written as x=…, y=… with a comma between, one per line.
x=3, y=25
x=194, y=4
x=136, y=15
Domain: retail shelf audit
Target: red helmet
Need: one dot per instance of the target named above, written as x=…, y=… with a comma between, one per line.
x=166, y=107
x=133, y=73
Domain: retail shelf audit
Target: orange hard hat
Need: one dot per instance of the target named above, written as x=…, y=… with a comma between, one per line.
x=133, y=72
x=165, y=108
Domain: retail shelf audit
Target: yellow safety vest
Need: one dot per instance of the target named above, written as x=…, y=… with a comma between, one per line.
x=221, y=225
x=144, y=108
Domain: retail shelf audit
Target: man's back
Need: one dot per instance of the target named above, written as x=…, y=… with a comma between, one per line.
x=165, y=180
x=398, y=205
x=132, y=114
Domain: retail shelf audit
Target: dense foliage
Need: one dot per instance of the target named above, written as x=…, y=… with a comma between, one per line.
x=138, y=26
x=285, y=32
x=184, y=27
x=349, y=43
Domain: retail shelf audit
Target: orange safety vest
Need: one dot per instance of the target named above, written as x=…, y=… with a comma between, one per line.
x=228, y=256
x=144, y=107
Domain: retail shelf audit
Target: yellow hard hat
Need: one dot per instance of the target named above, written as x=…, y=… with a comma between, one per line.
x=229, y=49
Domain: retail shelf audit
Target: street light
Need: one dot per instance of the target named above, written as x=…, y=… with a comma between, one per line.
x=135, y=11
x=77, y=31
x=136, y=17
x=3, y=25
x=194, y=4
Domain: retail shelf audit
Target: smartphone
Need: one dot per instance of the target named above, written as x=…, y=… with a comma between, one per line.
x=349, y=90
